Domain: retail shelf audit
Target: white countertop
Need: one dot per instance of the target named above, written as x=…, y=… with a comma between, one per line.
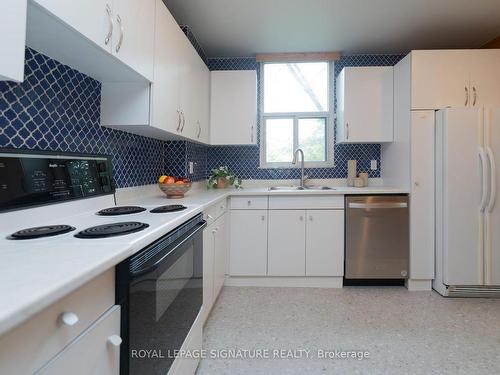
x=36, y=273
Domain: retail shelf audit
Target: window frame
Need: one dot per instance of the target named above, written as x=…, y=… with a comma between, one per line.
x=329, y=117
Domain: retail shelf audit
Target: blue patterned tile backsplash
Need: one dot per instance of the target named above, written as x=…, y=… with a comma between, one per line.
x=57, y=108
x=244, y=160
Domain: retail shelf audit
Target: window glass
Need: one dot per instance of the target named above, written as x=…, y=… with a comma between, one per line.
x=312, y=138
x=279, y=140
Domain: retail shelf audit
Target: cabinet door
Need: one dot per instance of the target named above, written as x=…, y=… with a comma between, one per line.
x=485, y=78
x=220, y=251
x=208, y=270
x=369, y=88
x=92, y=18
x=96, y=351
x=233, y=107
x=325, y=243
x=422, y=195
x=248, y=243
x=133, y=36
x=167, y=64
x=287, y=243
x=13, y=31
x=440, y=79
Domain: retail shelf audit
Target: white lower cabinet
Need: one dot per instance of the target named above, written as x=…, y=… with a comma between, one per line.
x=287, y=243
x=248, y=243
x=96, y=351
x=214, y=262
x=325, y=243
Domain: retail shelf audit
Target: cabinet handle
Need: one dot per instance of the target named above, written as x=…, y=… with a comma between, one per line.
x=249, y=203
x=222, y=207
x=263, y=218
x=110, y=29
x=301, y=218
x=183, y=121
x=251, y=134
x=178, y=120
x=114, y=340
x=474, y=95
x=69, y=319
x=347, y=130
x=214, y=231
x=120, y=41
x=310, y=218
x=417, y=184
x=466, y=96
x=199, y=129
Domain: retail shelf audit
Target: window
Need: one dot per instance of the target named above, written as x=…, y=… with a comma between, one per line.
x=296, y=113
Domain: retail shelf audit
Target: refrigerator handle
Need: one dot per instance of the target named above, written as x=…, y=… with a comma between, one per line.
x=493, y=179
x=484, y=194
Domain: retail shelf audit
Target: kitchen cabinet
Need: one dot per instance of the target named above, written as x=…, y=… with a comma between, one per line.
x=454, y=78
x=123, y=28
x=133, y=34
x=248, y=242
x=96, y=351
x=215, y=249
x=233, y=107
x=176, y=104
x=325, y=243
x=287, y=243
x=13, y=31
x=365, y=105
x=422, y=211
x=58, y=327
x=306, y=243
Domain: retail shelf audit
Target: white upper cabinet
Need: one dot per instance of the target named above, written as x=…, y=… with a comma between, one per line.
x=133, y=34
x=455, y=78
x=92, y=36
x=13, y=31
x=233, y=107
x=365, y=105
x=176, y=104
x=91, y=18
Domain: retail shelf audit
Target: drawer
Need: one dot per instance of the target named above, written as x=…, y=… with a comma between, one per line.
x=96, y=351
x=290, y=202
x=215, y=211
x=29, y=346
x=249, y=203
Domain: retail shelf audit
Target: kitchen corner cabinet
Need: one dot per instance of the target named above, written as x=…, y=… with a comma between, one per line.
x=455, y=78
x=122, y=28
x=365, y=105
x=176, y=104
x=233, y=107
x=13, y=31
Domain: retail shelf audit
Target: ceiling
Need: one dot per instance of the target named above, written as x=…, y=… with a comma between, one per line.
x=245, y=27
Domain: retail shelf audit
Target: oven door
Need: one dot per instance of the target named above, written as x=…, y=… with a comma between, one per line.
x=165, y=294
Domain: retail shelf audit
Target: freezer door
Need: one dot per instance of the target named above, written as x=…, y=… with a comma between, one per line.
x=460, y=163
x=492, y=247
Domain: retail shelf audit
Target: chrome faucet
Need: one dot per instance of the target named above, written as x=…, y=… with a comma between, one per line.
x=294, y=161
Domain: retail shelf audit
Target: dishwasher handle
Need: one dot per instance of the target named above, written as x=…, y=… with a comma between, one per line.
x=378, y=205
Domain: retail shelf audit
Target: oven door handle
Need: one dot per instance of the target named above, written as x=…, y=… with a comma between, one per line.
x=169, y=252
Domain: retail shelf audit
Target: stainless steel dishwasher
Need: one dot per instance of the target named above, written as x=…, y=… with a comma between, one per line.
x=377, y=237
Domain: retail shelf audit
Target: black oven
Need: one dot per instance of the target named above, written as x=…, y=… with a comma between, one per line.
x=160, y=290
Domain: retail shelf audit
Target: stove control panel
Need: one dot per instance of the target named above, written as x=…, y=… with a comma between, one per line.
x=29, y=179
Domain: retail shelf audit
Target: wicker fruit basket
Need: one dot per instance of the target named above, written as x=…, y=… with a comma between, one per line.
x=175, y=191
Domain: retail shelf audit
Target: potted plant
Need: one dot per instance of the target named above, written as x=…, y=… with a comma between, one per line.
x=222, y=177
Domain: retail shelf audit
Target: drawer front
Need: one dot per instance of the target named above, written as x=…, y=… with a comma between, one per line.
x=29, y=346
x=249, y=203
x=215, y=211
x=287, y=202
x=96, y=351
x=221, y=208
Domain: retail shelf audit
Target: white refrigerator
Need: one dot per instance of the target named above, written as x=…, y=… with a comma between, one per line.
x=467, y=214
